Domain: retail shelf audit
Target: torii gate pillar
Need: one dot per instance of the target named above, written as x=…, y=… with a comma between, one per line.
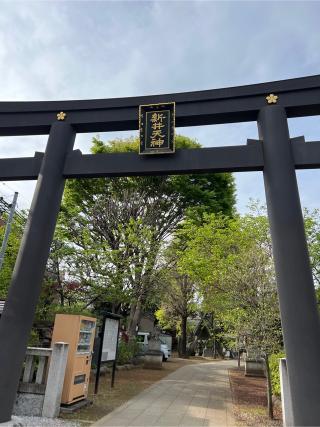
x=27, y=277
x=299, y=314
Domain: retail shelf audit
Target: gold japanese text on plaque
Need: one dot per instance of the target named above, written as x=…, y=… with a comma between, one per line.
x=156, y=124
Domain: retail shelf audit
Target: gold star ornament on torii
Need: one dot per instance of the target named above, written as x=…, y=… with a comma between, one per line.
x=61, y=115
x=272, y=99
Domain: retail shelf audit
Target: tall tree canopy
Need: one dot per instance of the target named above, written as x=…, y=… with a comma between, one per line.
x=117, y=226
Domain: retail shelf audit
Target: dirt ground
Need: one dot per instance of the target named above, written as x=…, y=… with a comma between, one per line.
x=249, y=395
x=128, y=383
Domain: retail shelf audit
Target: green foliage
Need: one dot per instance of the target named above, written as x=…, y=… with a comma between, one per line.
x=47, y=307
x=127, y=351
x=179, y=300
x=10, y=255
x=199, y=193
x=318, y=296
x=165, y=322
x=33, y=339
x=312, y=227
x=274, y=372
x=73, y=309
x=131, y=144
x=230, y=260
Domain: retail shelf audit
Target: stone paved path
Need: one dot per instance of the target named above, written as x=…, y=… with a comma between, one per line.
x=194, y=395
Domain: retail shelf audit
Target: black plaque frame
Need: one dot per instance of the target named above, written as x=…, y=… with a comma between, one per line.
x=145, y=111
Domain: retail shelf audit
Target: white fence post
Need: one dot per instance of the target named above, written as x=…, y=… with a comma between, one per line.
x=58, y=362
x=286, y=401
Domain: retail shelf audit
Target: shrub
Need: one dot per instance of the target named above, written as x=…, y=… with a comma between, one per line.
x=33, y=338
x=127, y=351
x=274, y=372
x=71, y=309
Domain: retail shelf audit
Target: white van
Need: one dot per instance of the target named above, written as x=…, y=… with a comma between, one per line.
x=143, y=340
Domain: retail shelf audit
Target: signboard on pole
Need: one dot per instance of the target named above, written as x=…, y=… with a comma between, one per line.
x=110, y=339
x=108, y=349
x=156, y=124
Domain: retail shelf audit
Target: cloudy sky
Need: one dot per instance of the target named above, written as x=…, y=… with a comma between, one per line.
x=51, y=50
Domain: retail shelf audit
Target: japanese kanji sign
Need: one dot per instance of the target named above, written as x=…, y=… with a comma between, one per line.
x=157, y=123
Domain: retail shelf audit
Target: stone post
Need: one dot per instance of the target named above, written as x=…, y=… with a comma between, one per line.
x=285, y=394
x=57, y=368
x=153, y=357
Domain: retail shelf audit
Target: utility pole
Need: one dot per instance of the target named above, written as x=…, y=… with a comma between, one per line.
x=8, y=228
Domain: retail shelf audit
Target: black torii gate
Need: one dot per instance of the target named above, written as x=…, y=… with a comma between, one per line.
x=270, y=104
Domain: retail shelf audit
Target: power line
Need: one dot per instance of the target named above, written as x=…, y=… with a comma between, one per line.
x=15, y=190
x=5, y=207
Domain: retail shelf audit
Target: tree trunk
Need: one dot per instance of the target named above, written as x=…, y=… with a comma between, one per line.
x=60, y=289
x=269, y=388
x=130, y=318
x=183, y=347
x=134, y=319
x=62, y=299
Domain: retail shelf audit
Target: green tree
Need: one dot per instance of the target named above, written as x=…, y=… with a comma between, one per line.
x=178, y=304
x=119, y=226
x=231, y=261
x=179, y=299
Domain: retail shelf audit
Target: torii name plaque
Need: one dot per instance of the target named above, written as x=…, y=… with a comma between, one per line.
x=156, y=125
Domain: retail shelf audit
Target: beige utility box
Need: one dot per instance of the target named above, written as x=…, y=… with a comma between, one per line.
x=78, y=332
